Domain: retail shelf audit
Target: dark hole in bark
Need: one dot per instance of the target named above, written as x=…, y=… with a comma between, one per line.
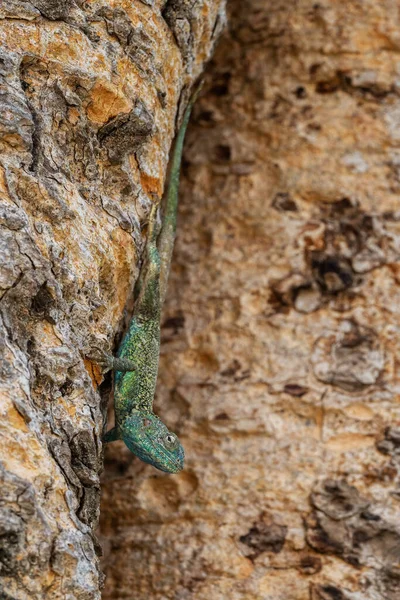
x=67, y=387
x=342, y=205
x=42, y=301
x=176, y=323
x=368, y=516
x=300, y=92
x=295, y=390
x=283, y=202
x=222, y=417
x=314, y=68
x=332, y=592
x=360, y=537
x=221, y=86
x=333, y=273
x=309, y=565
x=223, y=153
x=265, y=537
x=206, y=116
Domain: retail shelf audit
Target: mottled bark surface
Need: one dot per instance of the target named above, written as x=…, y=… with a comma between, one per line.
x=281, y=326
x=88, y=103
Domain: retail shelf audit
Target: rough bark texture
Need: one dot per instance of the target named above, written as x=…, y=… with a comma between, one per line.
x=88, y=101
x=281, y=327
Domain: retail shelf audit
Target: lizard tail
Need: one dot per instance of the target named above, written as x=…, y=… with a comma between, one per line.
x=167, y=235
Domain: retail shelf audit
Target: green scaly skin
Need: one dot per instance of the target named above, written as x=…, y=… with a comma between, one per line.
x=142, y=431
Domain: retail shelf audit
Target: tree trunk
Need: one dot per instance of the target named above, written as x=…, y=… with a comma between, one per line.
x=89, y=98
x=280, y=331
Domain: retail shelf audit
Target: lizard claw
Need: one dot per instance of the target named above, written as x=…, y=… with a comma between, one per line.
x=103, y=359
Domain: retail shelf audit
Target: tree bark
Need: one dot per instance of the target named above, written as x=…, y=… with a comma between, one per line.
x=280, y=331
x=90, y=93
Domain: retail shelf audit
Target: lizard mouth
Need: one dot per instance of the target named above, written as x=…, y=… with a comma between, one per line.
x=158, y=456
x=174, y=467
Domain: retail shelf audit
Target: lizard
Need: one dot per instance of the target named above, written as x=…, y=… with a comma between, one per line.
x=136, y=363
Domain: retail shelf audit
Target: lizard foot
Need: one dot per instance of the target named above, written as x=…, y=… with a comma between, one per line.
x=111, y=436
x=108, y=362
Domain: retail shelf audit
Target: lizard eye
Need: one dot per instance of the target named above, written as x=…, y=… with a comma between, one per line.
x=146, y=422
x=170, y=441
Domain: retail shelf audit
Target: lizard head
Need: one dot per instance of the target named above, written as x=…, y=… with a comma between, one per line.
x=150, y=440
